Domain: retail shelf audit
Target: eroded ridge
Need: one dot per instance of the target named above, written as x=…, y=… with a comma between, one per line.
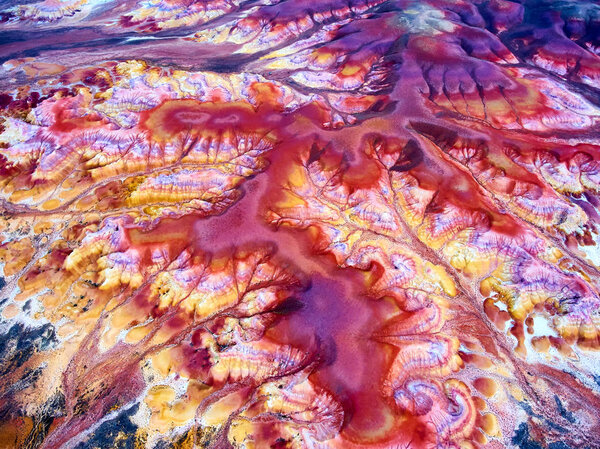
x=290, y=224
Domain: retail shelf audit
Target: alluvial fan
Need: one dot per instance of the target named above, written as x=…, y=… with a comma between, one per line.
x=277, y=224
